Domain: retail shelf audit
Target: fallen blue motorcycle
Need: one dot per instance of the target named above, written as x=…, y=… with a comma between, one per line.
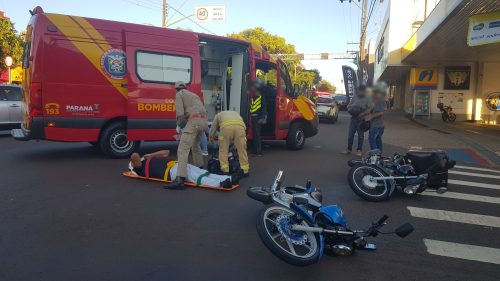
x=297, y=228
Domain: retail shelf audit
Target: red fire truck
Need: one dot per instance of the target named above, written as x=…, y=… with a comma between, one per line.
x=112, y=83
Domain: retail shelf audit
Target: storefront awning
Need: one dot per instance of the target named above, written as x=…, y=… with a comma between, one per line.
x=447, y=42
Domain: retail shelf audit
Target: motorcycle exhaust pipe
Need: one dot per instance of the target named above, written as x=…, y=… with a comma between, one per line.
x=298, y=227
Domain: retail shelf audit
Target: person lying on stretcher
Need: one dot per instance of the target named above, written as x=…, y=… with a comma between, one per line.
x=159, y=165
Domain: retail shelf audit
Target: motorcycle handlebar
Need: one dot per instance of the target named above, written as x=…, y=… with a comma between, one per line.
x=382, y=220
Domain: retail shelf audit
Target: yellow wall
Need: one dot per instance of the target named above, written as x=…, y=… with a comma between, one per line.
x=490, y=83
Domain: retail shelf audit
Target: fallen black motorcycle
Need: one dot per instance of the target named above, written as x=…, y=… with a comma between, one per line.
x=375, y=177
x=297, y=228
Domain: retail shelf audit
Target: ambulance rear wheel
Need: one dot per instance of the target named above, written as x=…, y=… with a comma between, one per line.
x=296, y=136
x=114, y=142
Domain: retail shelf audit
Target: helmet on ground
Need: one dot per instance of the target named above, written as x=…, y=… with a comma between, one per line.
x=380, y=87
x=180, y=85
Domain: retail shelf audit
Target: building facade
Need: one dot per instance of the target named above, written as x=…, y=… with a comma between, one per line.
x=443, y=51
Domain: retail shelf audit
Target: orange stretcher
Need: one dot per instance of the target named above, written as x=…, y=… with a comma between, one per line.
x=129, y=174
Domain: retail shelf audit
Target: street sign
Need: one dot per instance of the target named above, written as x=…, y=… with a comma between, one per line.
x=210, y=14
x=8, y=61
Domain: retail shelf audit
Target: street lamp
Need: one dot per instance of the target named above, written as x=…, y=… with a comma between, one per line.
x=8, y=62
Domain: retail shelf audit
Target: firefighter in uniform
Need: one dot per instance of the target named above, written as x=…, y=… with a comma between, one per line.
x=192, y=120
x=258, y=111
x=232, y=131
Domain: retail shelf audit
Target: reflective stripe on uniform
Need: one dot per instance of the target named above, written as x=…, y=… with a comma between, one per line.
x=255, y=104
x=245, y=168
x=231, y=122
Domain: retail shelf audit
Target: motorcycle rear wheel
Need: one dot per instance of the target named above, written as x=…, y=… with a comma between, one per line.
x=294, y=247
x=359, y=182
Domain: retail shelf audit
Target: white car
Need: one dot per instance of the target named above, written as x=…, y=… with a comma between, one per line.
x=327, y=108
x=10, y=106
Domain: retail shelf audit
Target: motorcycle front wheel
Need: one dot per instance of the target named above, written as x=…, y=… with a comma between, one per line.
x=294, y=247
x=452, y=117
x=361, y=181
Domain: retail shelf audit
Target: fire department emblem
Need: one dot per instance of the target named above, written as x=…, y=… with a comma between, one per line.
x=114, y=63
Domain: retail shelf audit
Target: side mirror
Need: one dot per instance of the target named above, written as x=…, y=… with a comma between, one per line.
x=296, y=90
x=404, y=230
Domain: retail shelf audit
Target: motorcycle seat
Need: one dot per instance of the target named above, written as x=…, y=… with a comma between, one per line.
x=421, y=155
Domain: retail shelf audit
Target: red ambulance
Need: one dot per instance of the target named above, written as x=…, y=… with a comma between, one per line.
x=112, y=83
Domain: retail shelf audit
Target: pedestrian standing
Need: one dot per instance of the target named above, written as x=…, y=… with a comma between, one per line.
x=258, y=112
x=192, y=120
x=376, y=116
x=232, y=131
x=359, y=108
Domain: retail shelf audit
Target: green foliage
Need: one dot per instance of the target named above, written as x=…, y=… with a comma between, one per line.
x=325, y=86
x=276, y=44
x=11, y=43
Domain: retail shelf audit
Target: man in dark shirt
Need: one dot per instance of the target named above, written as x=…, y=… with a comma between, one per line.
x=159, y=165
x=359, y=108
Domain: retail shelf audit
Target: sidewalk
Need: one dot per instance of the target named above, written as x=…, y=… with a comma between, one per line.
x=474, y=142
x=484, y=139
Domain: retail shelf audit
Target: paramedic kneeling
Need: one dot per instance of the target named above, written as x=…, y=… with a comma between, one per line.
x=160, y=166
x=232, y=130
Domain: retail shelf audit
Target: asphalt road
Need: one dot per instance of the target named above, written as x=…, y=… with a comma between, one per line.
x=66, y=213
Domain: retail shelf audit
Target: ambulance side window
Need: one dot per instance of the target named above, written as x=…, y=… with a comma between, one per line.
x=163, y=68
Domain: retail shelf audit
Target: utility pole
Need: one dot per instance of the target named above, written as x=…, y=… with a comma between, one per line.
x=362, y=54
x=362, y=42
x=164, y=14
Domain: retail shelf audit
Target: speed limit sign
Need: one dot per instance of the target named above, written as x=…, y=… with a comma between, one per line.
x=202, y=14
x=8, y=61
x=210, y=14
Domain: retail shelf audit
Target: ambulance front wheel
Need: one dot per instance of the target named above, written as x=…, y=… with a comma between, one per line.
x=114, y=142
x=296, y=136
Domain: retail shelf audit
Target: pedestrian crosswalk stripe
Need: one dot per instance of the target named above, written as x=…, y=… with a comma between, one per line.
x=475, y=184
x=463, y=196
x=474, y=174
x=454, y=217
x=476, y=168
x=463, y=251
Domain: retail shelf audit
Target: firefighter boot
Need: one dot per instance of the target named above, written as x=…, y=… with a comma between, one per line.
x=178, y=183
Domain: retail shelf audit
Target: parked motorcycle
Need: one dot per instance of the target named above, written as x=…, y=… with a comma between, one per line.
x=375, y=177
x=297, y=228
x=447, y=112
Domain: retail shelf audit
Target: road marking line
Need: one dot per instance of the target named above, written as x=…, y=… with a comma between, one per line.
x=454, y=216
x=463, y=196
x=462, y=251
x=476, y=168
x=475, y=184
x=474, y=174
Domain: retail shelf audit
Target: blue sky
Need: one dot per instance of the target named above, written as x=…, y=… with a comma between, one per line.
x=313, y=26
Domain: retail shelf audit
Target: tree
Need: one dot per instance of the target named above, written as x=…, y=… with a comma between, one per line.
x=11, y=43
x=325, y=86
x=276, y=44
x=317, y=77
